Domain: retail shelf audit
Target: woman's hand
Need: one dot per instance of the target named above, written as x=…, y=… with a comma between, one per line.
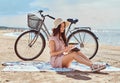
x=66, y=49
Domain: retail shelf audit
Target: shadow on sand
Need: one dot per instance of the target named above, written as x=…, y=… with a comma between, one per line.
x=80, y=75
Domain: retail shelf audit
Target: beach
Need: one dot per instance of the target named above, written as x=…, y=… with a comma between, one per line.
x=106, y=53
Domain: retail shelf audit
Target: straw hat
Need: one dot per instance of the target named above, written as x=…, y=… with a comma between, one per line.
x=58, y=21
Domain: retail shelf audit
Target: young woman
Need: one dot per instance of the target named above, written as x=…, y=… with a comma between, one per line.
x=61, y=54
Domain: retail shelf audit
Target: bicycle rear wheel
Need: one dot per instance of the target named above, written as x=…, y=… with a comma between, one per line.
x=86, y=41
x=29, y=45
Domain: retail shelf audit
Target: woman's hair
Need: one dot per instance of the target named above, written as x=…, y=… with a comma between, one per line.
x=57, y=31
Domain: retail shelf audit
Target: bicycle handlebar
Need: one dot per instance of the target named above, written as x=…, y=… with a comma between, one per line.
x=40, y=11
x=51, y=17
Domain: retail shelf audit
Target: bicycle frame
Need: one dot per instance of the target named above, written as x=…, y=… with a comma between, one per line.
x=41, y=32
x=43, y=27
x=45, y=31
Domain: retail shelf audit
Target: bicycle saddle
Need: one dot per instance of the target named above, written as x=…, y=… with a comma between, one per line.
x=72, y=20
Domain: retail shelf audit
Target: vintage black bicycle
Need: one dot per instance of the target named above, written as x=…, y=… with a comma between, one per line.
x=30, y=44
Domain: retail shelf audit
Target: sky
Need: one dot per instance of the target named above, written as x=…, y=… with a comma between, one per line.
x=103, y=14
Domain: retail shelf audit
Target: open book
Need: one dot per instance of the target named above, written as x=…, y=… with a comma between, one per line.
x=75, y=48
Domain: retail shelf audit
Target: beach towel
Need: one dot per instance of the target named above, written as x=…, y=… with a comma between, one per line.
x=45, y=66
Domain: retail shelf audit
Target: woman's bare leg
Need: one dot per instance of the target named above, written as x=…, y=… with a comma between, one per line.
x=82, y=55
x=74, y=56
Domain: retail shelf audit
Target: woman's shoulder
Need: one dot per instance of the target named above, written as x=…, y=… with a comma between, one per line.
x=52, y=38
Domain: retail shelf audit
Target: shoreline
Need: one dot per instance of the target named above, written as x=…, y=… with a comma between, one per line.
x=16, y=32
x=106, y=53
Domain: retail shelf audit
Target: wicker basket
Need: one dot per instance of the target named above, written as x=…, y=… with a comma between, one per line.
x=34, y=21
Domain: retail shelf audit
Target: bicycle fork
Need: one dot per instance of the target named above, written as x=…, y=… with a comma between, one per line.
x=32, y=39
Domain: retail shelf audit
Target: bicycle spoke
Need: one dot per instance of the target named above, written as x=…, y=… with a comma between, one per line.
x=29, y=45
x=80, y=37
x=76, y=39
x=86, y=42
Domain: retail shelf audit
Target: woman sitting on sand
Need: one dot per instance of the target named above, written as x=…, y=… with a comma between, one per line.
x=61, y=54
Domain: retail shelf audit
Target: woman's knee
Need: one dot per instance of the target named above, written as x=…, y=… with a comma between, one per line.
x=74, y=53
x=79, y=52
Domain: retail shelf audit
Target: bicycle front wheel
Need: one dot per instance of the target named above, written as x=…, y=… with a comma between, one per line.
x=29, y=45
x=86, y=41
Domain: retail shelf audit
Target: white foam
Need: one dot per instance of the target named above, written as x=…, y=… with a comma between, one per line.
x=15, y=34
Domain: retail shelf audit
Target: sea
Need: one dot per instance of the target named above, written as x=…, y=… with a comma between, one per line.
x=105, y=36
x=108, y=36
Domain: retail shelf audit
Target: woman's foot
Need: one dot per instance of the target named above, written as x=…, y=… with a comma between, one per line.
x=97, y=67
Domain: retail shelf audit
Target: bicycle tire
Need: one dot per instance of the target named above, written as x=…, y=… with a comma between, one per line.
x=89, y=49
x=27, y=48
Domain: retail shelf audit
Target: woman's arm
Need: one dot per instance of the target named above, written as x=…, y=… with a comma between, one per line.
x=52, y=49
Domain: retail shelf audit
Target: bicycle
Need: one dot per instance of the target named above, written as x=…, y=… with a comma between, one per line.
x=30, y=44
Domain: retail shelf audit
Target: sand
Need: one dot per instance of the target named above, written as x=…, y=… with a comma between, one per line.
x=109, y=54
